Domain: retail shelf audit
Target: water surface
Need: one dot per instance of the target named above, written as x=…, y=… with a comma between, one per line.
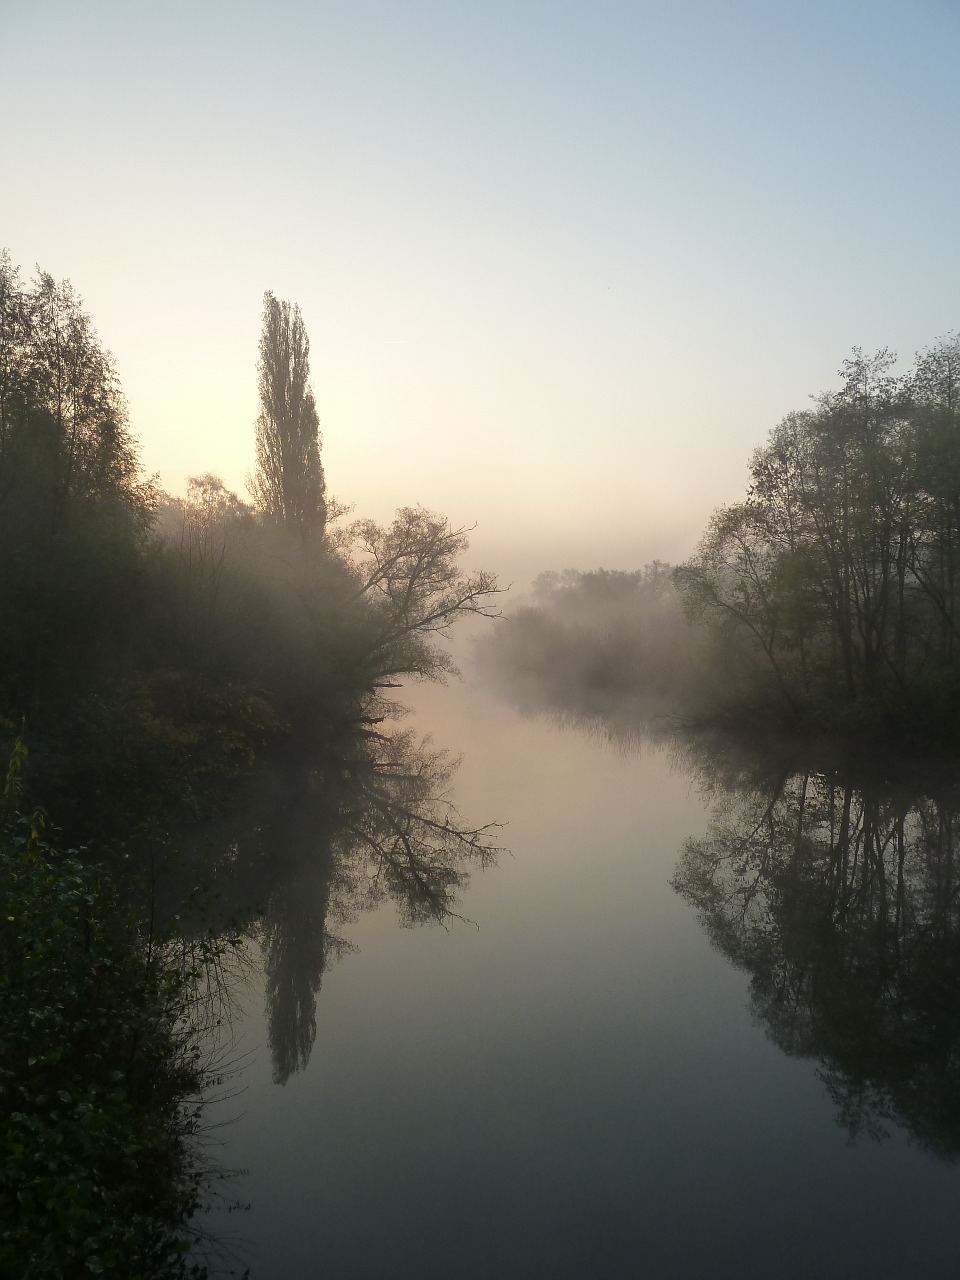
x=574, y=1079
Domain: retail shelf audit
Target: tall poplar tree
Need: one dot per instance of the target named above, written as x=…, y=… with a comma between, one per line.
x=288, y=483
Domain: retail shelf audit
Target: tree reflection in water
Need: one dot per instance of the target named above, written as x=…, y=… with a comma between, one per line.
x=839, y=897
x=313, y=846
x=833, y=884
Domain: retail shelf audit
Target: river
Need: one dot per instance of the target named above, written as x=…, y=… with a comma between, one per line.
x=573, y=1079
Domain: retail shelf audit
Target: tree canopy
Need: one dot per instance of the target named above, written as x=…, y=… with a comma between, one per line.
x=153, y=643
x=840, y=569
x=74, y=508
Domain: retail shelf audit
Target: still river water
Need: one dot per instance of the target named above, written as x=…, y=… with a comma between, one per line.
x=582, y=1083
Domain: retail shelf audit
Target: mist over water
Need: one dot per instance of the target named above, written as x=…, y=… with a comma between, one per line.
x=826, y=873
x=707, y=969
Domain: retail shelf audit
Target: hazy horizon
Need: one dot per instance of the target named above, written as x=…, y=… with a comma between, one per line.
x=562, y=266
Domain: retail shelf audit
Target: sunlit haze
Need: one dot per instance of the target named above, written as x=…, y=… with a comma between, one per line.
x=562, y=265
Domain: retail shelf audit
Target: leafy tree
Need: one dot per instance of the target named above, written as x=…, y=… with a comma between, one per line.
x=74, y=511
x=735, y=576
x=935, y=533
x=288, y=484
x=205, y=538
x=153, y=643
x=410, y=583
x=842, y=565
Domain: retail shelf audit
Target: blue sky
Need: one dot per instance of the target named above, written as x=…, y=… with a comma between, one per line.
x=563, y=265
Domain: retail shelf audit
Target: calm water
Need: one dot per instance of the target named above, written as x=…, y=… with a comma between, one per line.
x=581, y=1083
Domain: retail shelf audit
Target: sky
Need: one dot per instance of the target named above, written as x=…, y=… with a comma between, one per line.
x=563, y=265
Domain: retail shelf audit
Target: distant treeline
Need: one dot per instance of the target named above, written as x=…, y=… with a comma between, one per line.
x=149, y=645
x=828, y=599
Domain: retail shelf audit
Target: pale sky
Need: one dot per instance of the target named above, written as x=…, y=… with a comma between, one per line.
x=563, y=265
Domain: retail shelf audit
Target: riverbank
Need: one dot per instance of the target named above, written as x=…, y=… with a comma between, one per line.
x=101, y=1075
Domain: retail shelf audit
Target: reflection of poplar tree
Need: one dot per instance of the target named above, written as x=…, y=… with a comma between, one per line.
x=296, y=956
x=288, y=483
x=369, y=822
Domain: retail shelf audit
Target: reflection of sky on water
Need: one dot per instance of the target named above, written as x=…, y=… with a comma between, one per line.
x=577, y=1087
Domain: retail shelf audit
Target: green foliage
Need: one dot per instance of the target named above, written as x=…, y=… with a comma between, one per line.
x=839, y=574
x=73, y=510
x=97, y=1067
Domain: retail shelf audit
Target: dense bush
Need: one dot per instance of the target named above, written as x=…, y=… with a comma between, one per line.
x=99, y=1075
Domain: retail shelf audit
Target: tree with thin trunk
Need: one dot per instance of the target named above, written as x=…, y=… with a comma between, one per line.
x=288, y=484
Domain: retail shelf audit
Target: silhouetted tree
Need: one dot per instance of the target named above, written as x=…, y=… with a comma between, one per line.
x=841, y=568
x=413, y=590
x=288, y=483
x=74, y=511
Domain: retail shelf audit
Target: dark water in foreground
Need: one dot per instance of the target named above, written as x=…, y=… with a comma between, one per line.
x=586, y=1084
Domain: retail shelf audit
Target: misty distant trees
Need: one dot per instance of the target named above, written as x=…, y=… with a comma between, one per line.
x=607, y=646
x=288, y=483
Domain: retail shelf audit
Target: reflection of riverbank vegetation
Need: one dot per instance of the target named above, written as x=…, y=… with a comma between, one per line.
x=154, y=652
x=100, y=1073
x=833, y=881
x=838, y=895
x=316, y=840
x=828, y=600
